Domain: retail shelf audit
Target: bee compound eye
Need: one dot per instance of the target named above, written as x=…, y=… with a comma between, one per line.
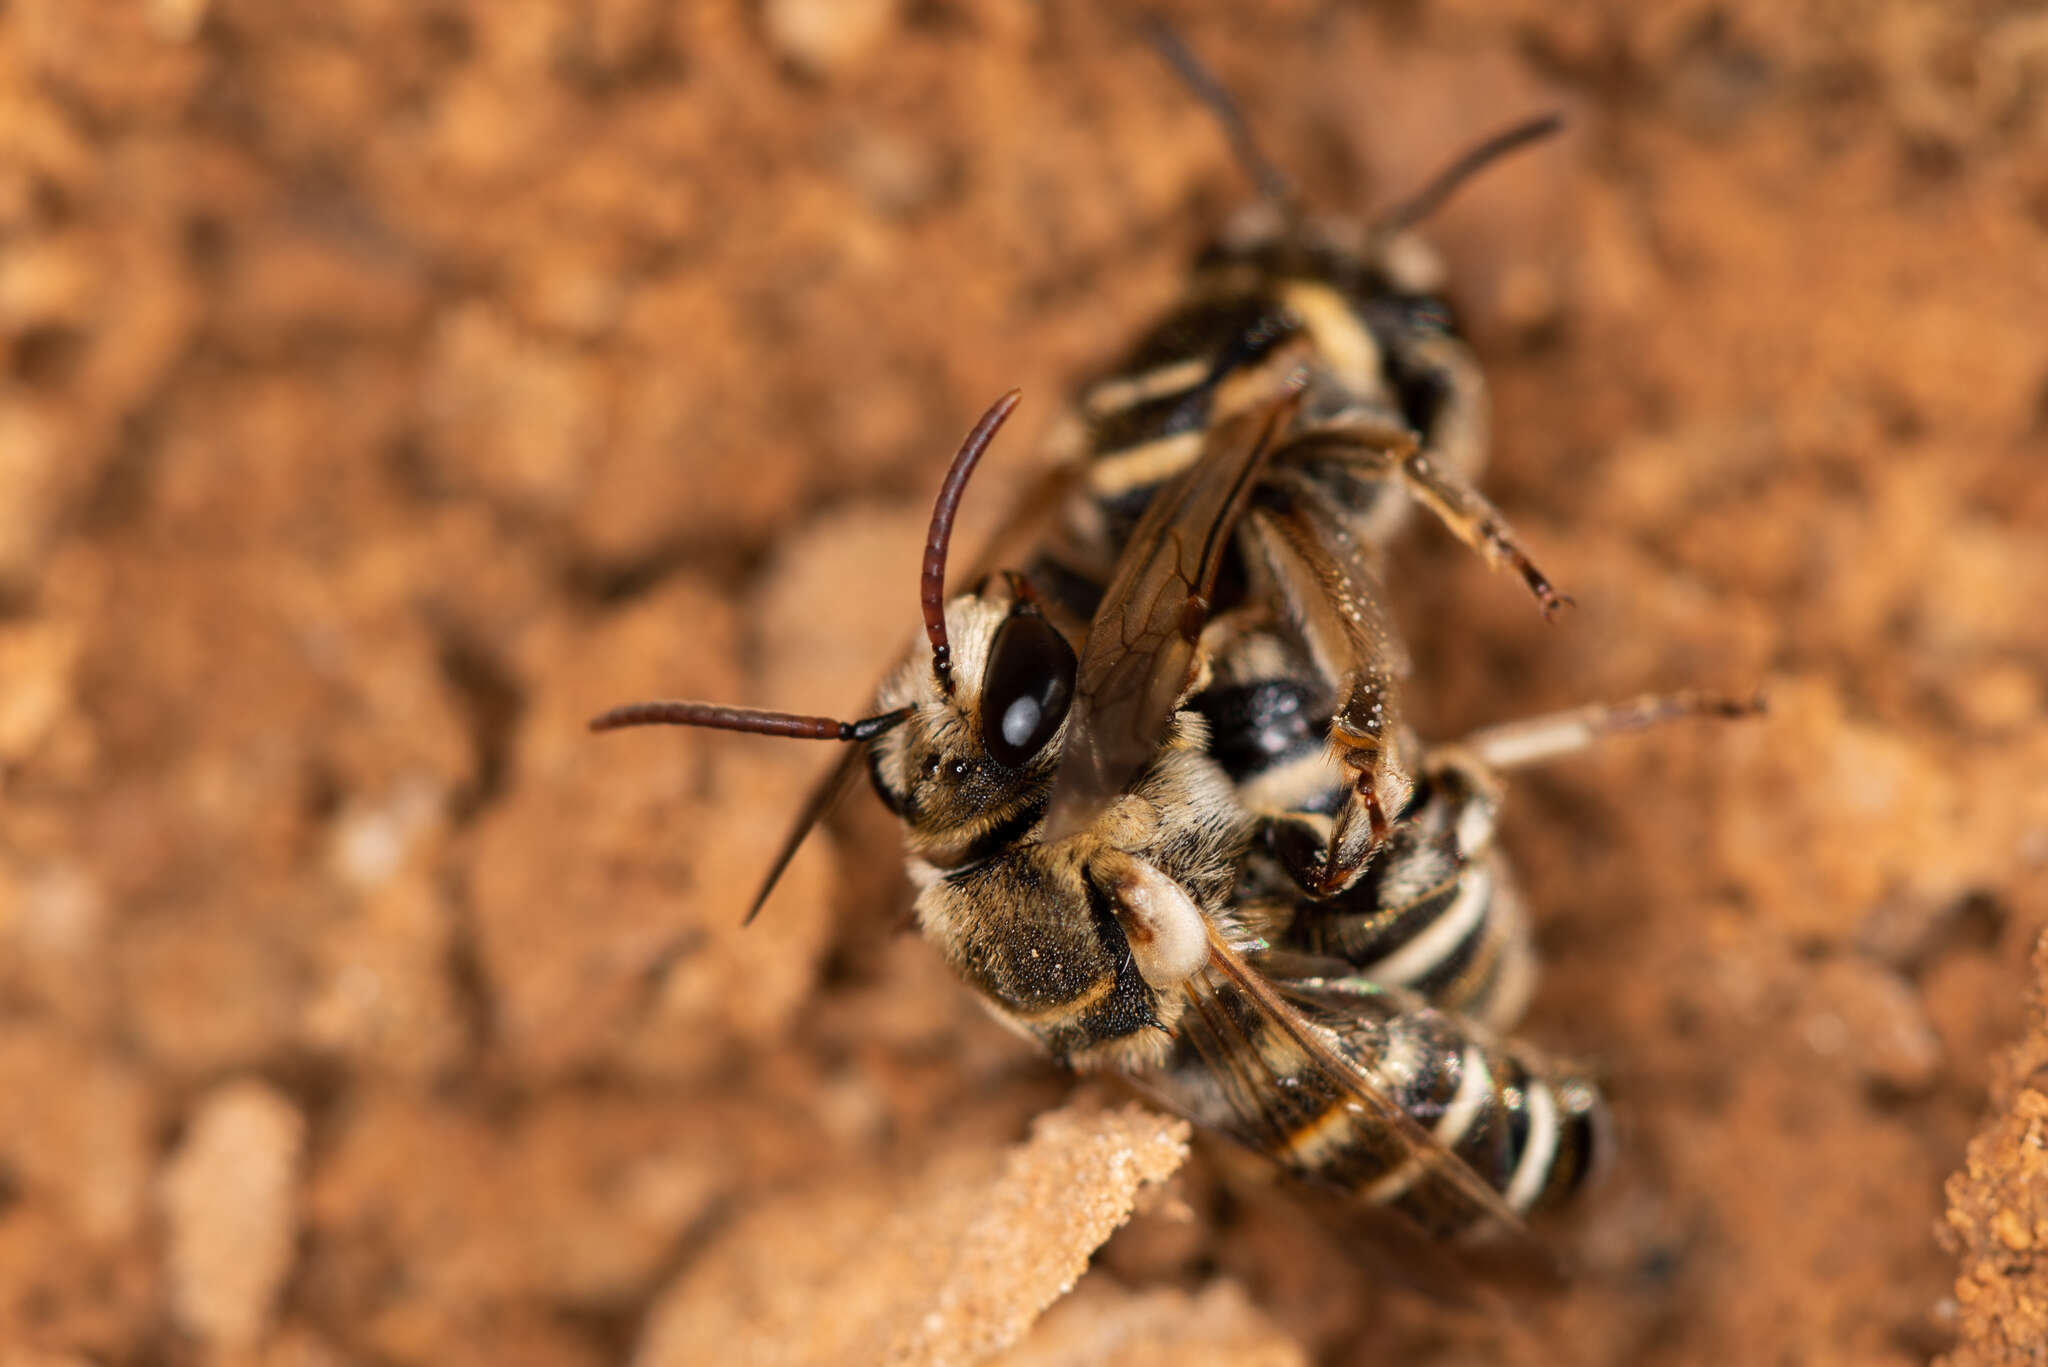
x=1026, y=690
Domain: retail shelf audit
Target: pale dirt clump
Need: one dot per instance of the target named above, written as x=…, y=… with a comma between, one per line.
x=942, y=1268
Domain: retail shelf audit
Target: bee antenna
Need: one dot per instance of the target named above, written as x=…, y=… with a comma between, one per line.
x=932, y=585
x=1272, y=183
x=1448, y=181
x=749, y=719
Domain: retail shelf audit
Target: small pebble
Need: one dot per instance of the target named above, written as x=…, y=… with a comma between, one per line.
x=828, y=36
x=1874, y=1018
x=230, y=1201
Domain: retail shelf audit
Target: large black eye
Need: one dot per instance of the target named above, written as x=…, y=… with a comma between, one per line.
x=1024, y=694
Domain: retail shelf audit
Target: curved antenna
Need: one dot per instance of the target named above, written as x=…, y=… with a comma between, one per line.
x=1272, y=183
x=1448, y=181
x=753, y=720
x=932, y=584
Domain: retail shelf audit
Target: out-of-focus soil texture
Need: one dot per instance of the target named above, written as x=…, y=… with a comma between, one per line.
x=387, y=387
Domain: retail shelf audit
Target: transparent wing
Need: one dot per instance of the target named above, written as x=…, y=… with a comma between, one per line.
x=1140, y=654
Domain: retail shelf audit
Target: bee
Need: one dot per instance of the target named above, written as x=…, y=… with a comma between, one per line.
x=1160, y=808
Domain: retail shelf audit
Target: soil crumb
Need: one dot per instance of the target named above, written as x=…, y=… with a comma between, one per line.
x=1997, y=1223
x=230, y=1199
x=943, y=1269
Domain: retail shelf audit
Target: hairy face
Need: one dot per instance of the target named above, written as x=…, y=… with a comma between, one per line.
x=969, y=767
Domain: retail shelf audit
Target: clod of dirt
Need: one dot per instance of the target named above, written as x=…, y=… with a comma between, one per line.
x=231, y=1200
x=1100, y=1322
x=827, y=35
x=946, y=1268
x=1998, y=1210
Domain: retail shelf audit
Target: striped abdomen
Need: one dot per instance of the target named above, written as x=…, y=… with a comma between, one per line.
x=1434, y=912
x=1528, y=1130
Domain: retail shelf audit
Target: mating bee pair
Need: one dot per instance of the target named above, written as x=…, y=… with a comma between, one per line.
x=1160, y=806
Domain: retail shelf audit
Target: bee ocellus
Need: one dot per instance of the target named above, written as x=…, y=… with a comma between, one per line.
x=1161, y=808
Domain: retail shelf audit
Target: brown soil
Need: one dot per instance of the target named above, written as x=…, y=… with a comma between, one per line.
x=387, y=387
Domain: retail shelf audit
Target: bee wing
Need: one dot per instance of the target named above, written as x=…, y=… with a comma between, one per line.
x=1269, y=1075
x=1140, y=653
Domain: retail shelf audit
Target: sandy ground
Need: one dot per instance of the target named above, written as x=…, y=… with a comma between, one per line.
x=387, y=387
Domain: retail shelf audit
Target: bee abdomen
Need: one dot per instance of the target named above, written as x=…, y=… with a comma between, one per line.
x=1463, y=944
x=1532, y=1132
x=1435, y=913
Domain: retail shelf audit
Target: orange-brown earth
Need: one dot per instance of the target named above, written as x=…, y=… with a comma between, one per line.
x=387, y=387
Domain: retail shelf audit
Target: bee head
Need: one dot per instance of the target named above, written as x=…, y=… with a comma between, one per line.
x=969, y=767
x=963, y=745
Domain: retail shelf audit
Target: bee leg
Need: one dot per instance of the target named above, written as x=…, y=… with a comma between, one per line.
x=1536, y=739
x=1324, y=855
x=1476, y=522
x=1441, y=486
x=1323, y=582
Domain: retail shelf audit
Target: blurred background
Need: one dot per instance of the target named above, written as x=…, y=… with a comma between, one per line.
x=387, y=387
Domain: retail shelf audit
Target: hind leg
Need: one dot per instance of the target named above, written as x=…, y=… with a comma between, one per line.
x=1392, y=452
x=1536, y=739
x=1323, y=580
x=1476, y=522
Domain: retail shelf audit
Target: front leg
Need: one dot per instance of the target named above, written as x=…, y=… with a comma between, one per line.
x=1167, y=934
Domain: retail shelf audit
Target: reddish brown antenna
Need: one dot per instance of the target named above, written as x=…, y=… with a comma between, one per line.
x=762, y=723
x=932, y=586
x=715, y=717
